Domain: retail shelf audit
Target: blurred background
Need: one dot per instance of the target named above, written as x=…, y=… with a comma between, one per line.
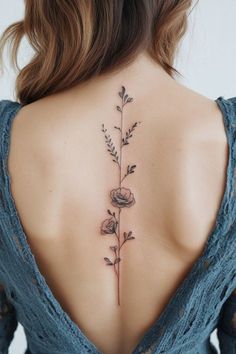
x=206, y=59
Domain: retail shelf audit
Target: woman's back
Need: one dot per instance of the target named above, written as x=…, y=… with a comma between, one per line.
x=62, y=175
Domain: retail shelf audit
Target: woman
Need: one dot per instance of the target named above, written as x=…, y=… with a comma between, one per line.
x=117, y=187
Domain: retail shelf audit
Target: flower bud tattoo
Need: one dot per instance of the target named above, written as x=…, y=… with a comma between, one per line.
x=120, y=197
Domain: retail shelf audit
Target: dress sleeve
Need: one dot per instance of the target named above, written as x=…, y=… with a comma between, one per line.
x=226, y=327
x=8, y=322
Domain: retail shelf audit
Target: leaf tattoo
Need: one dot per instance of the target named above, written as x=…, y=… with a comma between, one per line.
x=110, y=145
x=130, y=169
x=128, y=134
x=121, y=197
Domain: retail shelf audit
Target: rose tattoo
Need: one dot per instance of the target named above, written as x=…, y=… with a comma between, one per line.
x=122, y=197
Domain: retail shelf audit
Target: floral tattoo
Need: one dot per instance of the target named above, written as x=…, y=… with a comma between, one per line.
x=121, y=197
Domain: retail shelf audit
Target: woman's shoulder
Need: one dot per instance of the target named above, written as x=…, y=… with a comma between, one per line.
x=232, y=103
x=229, y=103
x=228, y=108
x=7, y=105
x=7, y=109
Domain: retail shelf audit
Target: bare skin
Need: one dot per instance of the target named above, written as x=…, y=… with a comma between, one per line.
x=61, y=178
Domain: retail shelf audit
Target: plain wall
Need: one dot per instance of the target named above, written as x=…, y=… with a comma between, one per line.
x=206, y=59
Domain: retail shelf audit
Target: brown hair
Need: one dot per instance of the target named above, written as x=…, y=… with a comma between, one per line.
x=77, y=39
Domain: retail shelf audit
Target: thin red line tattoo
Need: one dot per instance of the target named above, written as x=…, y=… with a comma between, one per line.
x=121, y=197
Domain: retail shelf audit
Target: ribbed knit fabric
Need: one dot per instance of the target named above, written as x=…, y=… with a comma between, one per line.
x=203, y=302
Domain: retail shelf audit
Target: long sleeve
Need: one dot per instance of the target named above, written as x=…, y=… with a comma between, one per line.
x=226, y=328
x=8, y=322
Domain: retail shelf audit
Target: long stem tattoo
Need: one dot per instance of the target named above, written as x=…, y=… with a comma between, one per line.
x=121, y=197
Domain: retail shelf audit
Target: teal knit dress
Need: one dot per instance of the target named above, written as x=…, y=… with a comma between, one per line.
x=204, y=301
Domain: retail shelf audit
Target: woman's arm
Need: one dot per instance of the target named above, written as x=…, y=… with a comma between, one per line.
x=226, y=328
x=8, y=322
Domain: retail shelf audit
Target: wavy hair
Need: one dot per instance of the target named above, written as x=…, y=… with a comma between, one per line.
x=75, y=40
